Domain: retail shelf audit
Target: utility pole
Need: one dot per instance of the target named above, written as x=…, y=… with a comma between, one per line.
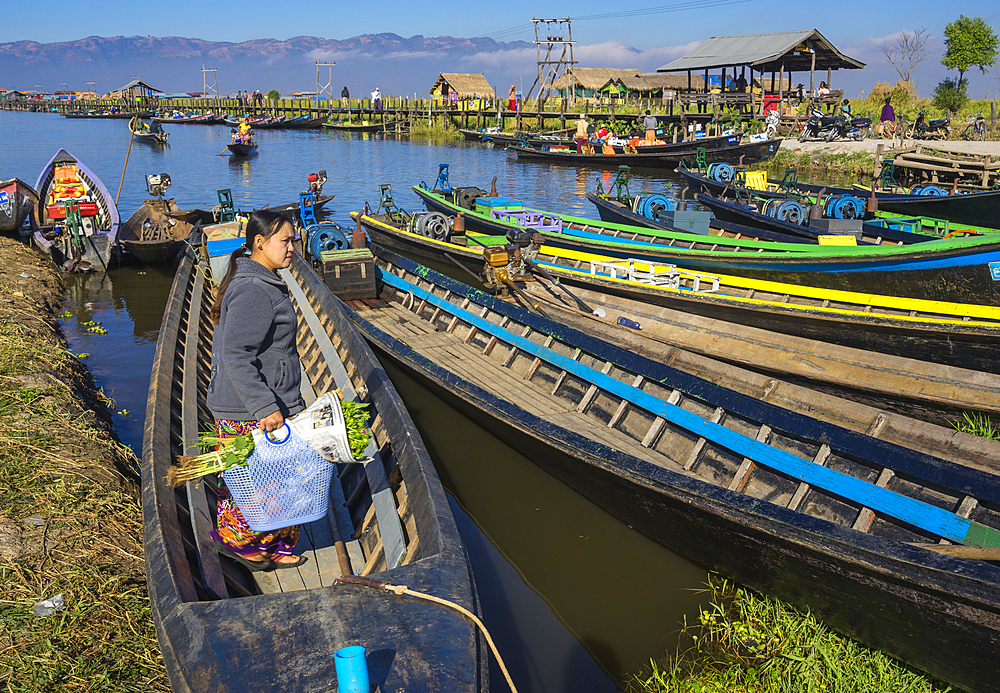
x=92, y=89
x=325, y=88
x=64, y=86
x=551, y=70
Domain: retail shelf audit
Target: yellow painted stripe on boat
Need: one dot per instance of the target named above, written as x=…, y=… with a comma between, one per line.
x=875, y=300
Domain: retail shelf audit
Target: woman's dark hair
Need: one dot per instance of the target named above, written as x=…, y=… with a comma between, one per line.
x=264, y=223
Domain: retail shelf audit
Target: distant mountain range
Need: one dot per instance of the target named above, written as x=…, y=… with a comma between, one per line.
x=172, y=63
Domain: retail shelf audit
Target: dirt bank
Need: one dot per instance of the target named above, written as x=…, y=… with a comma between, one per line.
x=70, y=521
x=870, y=145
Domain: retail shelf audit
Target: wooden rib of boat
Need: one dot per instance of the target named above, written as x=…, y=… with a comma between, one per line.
x=146, y=132
x=952, y=334
x=65, y=179
x=242, y=148
x=747, y=153
x=956, y=270
x=151, y=235
x=16, y=201
x=389, y=520
x=371, y=127
x=892, y=543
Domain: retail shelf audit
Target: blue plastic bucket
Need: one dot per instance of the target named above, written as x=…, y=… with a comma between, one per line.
x=352, y=670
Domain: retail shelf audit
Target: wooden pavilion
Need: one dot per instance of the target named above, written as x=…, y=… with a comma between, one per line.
x=136, y=94
x=781, y=53
x=466, y=85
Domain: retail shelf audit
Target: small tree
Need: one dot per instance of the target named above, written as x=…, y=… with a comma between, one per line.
x=970, y=41
x=906, y=51
x=950, y=95
x=273, y=95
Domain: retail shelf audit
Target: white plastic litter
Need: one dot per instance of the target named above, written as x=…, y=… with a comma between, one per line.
x=286, y=480
x=48, y=606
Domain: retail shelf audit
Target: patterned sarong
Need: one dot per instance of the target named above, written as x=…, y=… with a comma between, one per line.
x=232, y=531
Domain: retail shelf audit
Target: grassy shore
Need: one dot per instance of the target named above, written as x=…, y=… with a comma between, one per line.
x=70, y=519
x=747, y=643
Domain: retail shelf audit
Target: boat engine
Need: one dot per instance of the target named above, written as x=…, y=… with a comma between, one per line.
x=504, y=262
x=844, y=207
x=316, y=181
x=157, y=184
x=325, y=236
x=431, y=225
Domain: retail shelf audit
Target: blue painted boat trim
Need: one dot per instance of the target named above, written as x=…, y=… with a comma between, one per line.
x=930, y=518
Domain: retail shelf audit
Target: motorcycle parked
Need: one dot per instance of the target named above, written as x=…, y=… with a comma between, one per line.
x=818, y=126
x=855, y=129
x=932, y=129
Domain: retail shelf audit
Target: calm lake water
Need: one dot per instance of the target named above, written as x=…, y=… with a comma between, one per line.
x=574, y=599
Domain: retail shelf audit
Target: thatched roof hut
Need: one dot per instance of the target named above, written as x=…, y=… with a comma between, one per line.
x=468, y=86
x=588, y=81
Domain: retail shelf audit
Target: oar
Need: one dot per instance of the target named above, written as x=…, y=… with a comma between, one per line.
x=534, y=266
x=126, y=163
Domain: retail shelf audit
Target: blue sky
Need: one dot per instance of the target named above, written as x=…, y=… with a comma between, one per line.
x=660, y=31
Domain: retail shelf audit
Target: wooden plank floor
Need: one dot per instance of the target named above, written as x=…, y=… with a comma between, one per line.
x=449, y=351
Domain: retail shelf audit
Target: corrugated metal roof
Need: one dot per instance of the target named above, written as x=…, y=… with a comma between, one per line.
x=138, y=83
x=763, y=51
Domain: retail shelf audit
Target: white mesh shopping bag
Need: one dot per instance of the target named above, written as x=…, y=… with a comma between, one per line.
x=287, y=481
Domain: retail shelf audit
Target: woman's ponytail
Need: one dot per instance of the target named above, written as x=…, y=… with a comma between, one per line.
x=216, y=309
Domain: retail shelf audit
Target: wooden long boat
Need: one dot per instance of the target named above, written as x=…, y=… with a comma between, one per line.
x=241, y=149
x=472, y=135
x=16, y=201
x=152, y=236
x=221, y=627
x=207, y=216
x=779, y=364
x=203, y=119
x=65, y=179
x=885, y=544
x=956, y=270
x=746, y=215
x=745, y=153
x=615, y=211
x=304, y=123
x=976, y=209
x=371, y=127
x=953, y=334
x=144, y=132
x=109, y=115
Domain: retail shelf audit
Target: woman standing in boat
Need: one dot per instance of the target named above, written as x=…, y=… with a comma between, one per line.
x=255, y=373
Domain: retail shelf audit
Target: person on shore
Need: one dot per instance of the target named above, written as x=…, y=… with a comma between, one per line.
x=649, y=124
x=377, y=99
x=255, y=375
x=845, y=109
x=512, y=99
x=887, y=119
x=581, y=132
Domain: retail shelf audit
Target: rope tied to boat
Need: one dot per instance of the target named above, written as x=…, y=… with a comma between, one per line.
x=403, y=590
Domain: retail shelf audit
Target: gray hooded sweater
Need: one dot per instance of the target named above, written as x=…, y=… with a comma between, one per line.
x=255, y=364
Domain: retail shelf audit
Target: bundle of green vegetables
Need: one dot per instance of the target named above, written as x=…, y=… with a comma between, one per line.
x=219, y=454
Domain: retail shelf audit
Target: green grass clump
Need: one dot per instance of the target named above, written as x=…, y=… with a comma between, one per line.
x=978, y=425
x=747, y=643
x=70, y=518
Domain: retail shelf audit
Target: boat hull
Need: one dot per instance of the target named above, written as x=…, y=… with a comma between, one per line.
x=16, y=201
x=882, y=592
x=240, y=149
x=748, y=153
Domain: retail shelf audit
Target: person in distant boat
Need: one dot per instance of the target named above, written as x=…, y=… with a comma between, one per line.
x=246, y=132
x=255, y=377
x=581, y=132
x=649, y=124
x=236, y=136
x=377, y=99
x=512, y=99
